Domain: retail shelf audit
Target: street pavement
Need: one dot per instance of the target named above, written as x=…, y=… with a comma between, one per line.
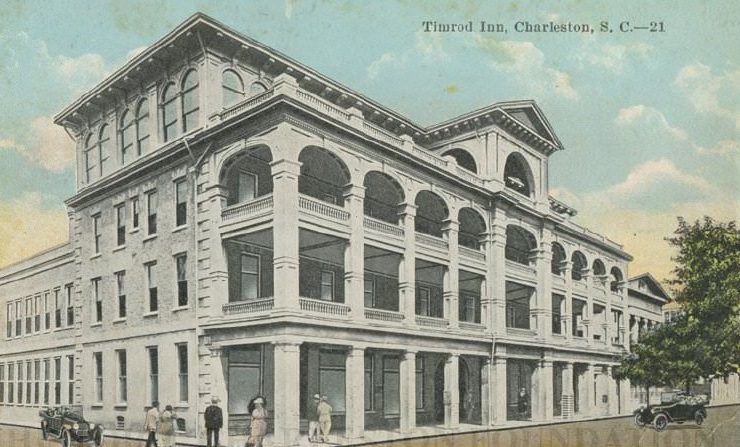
x=722, y=429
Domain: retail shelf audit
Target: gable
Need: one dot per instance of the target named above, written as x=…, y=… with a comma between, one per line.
x=529, y=116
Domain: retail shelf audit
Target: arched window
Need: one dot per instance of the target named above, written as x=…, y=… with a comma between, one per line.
x=190, y=101
x=472, y=227
x=598, y=268
x=382, y=197
x=91, y=157
x=579, y=265
x=323, y=175
x=616, y=279
x=104, y=145
x=256, y=88
x=517, y=175
x=558, y=257
x=142, y=128
x=463, y=159
x=519, y=244
x=431, y=212
x=233, y=88
x=169, y=112
x=127, y=137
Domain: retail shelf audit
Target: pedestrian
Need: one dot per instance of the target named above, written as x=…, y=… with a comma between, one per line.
x=214, y=421
x=313, y=419
x=150, y=424
x=522, y=404
x=167, y=427
x=324, y=411
x=258, y=424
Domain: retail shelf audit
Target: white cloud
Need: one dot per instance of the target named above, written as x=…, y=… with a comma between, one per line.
x=645, y=116
x=374, y=68
x=527, y=62
x=82, y=72
x=724, y=148
x=711, y=94
x=429, y=45
x=613, y=57
x=289, y=6
x=135, y=52
x=653, y=172
x=47, y=144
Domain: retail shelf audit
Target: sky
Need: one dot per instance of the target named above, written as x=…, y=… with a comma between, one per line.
x=649, y=120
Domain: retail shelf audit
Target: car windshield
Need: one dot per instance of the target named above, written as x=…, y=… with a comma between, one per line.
x=73, y=410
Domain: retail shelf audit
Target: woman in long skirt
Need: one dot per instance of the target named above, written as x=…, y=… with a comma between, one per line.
x=166, y=427
x=258, y=424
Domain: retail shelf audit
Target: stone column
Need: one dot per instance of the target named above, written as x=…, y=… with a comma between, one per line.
x=543, y=305
x=354, y=253
x=355, y=393
x=287, y=391
x=588, y=396
x=497, y=273
x=407, y=389
x=625, y=396
x=566, y=400
x=611, y=392
x=498, y=394
x=451, y=286
x=285, y=231
x=452, y=391
x=487, y=388
x=567, y=317
x=218, y=295
x=217, y=367
x=542, y=396
x=590, y=326
x=407, y=266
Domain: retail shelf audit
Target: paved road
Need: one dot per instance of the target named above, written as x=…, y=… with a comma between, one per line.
x=722, y=429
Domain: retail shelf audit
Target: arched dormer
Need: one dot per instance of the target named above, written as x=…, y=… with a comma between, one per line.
x=519, y=244
x=463, y=159
x=558, y=258
x=518, y=175
x=579, y=265
x=232, y=87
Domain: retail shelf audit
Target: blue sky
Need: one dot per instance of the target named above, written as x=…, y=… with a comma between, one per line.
x=650, y=121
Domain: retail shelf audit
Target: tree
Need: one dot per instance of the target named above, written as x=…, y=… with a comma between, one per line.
x=707, y=285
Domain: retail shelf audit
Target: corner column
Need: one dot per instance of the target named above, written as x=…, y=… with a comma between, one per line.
x=543, y=307
x=498, y=394
x=452, y=391
x=216, y=367
x=355, y=388
x=566, y=401
x=407, y=390
x=542, y=391
x=287, y=390
x=407, y=266
x=354, y=253
x=285, y=231
x=496, y=279
x=452, y=276
x=487, y=388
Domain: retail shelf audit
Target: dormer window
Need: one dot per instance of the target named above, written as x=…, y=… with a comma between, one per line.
x=127, y=137
x=517, y=175
x=190, y=101
x=91, y=157
x=169, y=113
x=104, y=148
x=233, y=88
x=142, y=128
x=256, y=88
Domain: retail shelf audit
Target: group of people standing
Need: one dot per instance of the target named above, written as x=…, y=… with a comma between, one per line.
x=160, y=425
x=319, y=415
x=257, y=426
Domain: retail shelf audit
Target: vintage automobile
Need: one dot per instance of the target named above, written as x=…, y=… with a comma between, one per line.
x=69, y=426
x=675, y=406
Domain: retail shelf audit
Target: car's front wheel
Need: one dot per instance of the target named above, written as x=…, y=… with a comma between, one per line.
x=44, y=433
x=699, y=418
x=661, y=422
x=639, y=421
x=98, y=438
x=66, y=439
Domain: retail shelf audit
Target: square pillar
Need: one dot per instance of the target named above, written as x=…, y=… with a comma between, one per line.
x=496, y=276
x=285, y=231
x=407, y=266
x=287, y=392
x=566, y=401
x=355, y=393
x=588, y=396
x=486, y=392
x=611, y=392
x=407, y=389
x=354, y=253
x=543, y=304
x=542, y=391
x=498, y=394
x=216, y=366
x=451, y=282
x=452, y=391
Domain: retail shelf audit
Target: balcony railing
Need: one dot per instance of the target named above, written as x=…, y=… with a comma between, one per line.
x=472, y=254
x=382, y=227
x=431, y=241
x=241, y=210
x=324, y=307
x=433, y=322
x=247, y=104
x=316, y=206
x=249, y=307
x=383, y=315
x=471, y=327
x=322, y=105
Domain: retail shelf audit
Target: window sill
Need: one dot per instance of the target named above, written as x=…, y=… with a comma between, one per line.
x=119, y=248
x=97, y=405
x=180, y=308
x=150, y=237
x=119, y=320
x=134, y=230
x=96, y=256
x=182, y=406
x=180, y=228
x=120, y=406
x=97, y=324
x=151, y=314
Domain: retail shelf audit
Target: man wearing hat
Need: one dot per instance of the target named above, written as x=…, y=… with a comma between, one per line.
x=214, y=421
x=313, y=419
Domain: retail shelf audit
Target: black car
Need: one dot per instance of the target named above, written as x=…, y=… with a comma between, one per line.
x=68, y=425
x=675, y=406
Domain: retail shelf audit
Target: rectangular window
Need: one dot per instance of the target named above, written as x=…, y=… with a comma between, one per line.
x=70, y=306
x=121, y=224
x=98, y=371
x=70, y=379
x=151, y=211
x=122, y=376
x=247, y=187
x=121, y=286
x=2, y=383
x=249, y=277
x=391, y=386
x=29, y=314
x=153, y=355
x=36, y=381
x=151, y=281
x=47, y=310
x=135, y=213
x=420, y=383
x=96, y=233
x=47, y=376
x=181, y=203
x=57, y=380
x=37, y=313
x=18, y=317
x=369, y=292
x=332, y=378
x=423, y=301
x=182, y=367
x=327, y=285
x=469, y=313
x=11, y=383
x=58, y=305
x=182, y=279
x=97, y=300
x=29, y=379
x=19, y=370
x=9, y=320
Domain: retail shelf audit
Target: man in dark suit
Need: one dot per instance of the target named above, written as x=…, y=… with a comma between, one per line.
x=214, y=421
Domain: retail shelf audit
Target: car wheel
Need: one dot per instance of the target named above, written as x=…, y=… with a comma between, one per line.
x=699, y=418
x=639, y=421
x=66, y=439
x=661, y=421
x=99, y=437
x=44, y=433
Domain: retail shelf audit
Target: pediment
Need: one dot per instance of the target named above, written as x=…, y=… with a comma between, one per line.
x=529, y=115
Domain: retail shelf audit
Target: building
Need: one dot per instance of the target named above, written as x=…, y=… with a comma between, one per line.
x=244, y=225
